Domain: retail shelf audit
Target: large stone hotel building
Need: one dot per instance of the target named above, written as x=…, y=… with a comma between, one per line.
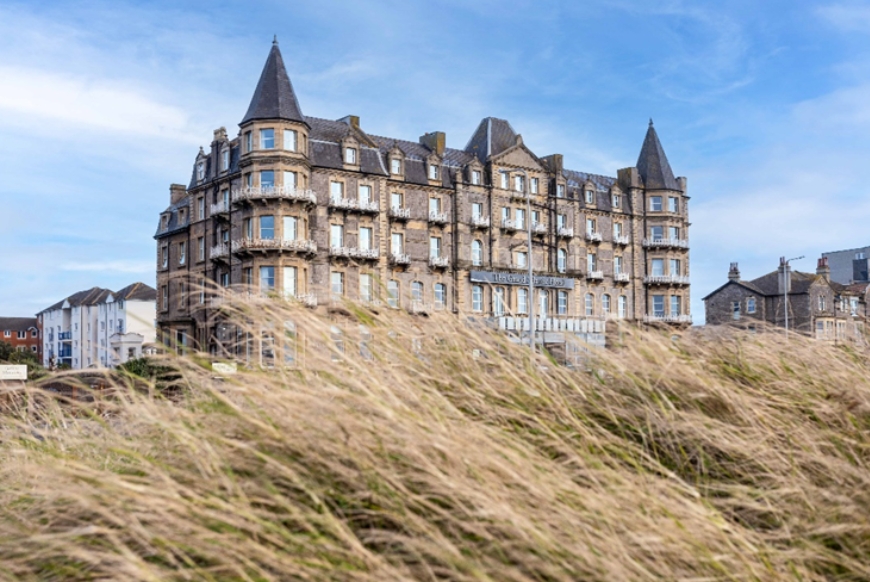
x=320, y=211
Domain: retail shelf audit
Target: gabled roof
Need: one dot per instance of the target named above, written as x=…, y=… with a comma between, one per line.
x=136, y=292
x=17, y=323
x=274, y=97
x=652, y=164
x=768, y=285
x=492, y=137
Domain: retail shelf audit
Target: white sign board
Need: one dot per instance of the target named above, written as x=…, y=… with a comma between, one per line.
x=223, y=368
x=13, y=373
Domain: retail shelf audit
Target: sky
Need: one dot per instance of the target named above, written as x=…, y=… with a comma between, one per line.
x=763, y=106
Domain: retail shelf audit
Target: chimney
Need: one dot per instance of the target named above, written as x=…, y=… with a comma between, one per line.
x=553, y=163
x=176, y=193
x=823, y=269
x=351, y=120
x=784, y=285
x=734, y=273
x=435, y=141
x=220, y=134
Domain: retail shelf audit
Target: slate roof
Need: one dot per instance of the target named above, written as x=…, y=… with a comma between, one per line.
x=174, y=224
x=96, y=295
x=652, y=164
x=136, y=292
x=17, y=323
x=768, y=285
x=492, y=137
x=274, y=97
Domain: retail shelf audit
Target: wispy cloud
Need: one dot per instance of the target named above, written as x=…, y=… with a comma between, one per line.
x=118, y=266
x=853, y=17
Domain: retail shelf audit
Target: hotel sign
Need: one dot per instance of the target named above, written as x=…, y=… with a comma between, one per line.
x=13, y=373
x=517, y=279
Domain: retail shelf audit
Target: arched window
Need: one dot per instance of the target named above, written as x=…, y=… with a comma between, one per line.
x=605, y=304
x=562, y=261
x=590, y=304
x=417, y=291
x=476, y=253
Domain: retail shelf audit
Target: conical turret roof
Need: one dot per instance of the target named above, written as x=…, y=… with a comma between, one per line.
x=652, y=164
x=274, y=97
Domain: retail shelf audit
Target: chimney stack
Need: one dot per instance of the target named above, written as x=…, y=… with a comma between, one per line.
x=435, y=141
x=823, y=269
x=734, y=273
x=176, y=193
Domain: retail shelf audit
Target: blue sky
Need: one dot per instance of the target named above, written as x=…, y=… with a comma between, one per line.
x=764, y=106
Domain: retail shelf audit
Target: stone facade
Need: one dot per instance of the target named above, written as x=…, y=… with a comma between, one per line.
x=320, y=211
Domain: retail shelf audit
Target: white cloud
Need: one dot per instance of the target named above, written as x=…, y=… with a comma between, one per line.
x=847, y=17
x=118, y=266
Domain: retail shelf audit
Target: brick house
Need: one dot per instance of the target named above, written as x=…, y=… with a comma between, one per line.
x=22, y=333
x=817, y=306
x=319, y=210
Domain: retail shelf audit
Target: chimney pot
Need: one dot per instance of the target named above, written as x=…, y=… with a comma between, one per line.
x=734, y=273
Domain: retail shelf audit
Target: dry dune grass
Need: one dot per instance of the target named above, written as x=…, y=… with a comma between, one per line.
x=716, y=457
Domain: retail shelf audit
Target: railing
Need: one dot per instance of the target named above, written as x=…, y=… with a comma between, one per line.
x=594, y=236
x=666, y=242
x=570, y=324
x=400, y=213
x=439, y=262
x=400, y=259
x=273, y=192
x=621, y=240
x=438, y=217
x=667, y=318
x=508, y=224
x=219, y=251
x=354, y=253
x=595, y=275
x=519, y=195
x=419, y=307
x=65, y=352
x=353, y=204
x=274, y=244
x=539, y=228
x=308, y=300
x=479, y=222
x=64, y=336
x=666, y=279
x=621, y=277
x=218, y=208
x=565, y=232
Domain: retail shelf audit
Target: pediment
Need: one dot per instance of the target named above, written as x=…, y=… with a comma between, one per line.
x=518, y=156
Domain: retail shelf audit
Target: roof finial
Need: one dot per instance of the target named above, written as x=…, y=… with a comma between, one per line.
x=650, y=122
x=275, y=40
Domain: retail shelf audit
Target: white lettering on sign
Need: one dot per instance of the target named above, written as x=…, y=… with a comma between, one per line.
x=223, y=368
x=13, y=373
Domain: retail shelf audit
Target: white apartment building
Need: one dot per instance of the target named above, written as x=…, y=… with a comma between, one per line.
x=98, y=327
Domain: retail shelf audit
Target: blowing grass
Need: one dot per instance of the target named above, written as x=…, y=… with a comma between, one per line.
x=441, y=451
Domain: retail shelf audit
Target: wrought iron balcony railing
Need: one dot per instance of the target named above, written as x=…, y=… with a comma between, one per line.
x=273, y=244
x=273, y=193
x=678, y=243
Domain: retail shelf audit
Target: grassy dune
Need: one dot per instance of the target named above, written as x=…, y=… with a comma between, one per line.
x=715, y=457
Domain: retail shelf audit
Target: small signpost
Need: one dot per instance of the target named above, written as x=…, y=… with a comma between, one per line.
x=13, y=373
x=224, y=369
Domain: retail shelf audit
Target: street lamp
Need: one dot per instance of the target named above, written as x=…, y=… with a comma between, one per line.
x=531, y=253
x=786, y=283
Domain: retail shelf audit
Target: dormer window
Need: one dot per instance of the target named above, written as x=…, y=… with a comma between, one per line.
x=164, y=222
x=590, y=196
x=290, y=142
x=200, y=171
x=560, y=191
x=475, y=177
x=267, y=139
x=433, y=172
x=350, y=156
x=225, y=160
x=395, y=166
x=616, y=200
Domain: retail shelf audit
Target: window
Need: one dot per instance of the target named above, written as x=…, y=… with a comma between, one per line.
x=164, y=258
x=543, y=303
x=290, y=140
x=476, y=253
x=249, y=180
x=396, y=200
x=522, y=301
x=200, y=171
x=674, y=266
x=365, y=194
x=290, y=282
x=672, y=204
x=290, y=180
x=656, y=232
x=247, y=228
x=225, y=159
x=820, y=330
x=590, y=197
x=417, y=291
x=33, y=333
x=476, y=210
x=616, y=201
x=676, y=305
x=590, y=226
x=498, y=301
x=182, y=302
x=200, y=208
x=735, y=309
x=225, y=279
x=673, y=232
x=605, y=304
x=535, y=183
x=617, y=265
x=397, y=245
x=658, y=302
x=433, y=172
x=267, y=139
x=226, y=199
x=440, y=295
x=291, y=228
x=505, y=214
x=393, y=293
x=267, y=279
x=22, y=334
x=657, y=267
x=365, y=287
x=622, y=307
x=267, y=227
x=395, y=166
x=519, y=183
x=853, y=305
x=249, y=142
x=822, y=303
x=655, y=203
x=590, y=304
x=365, y=238
x=336, y=284
x=336, y=191
x=617, y=230
x=435, y=205
x=522, y=259
x=336, y=235
x=560, y=191
x=267, y=179
x=477, y=298
x=435, y=247
x=165, y=297
x=475, y=177
x=182, y=252
x=859, y=256
x=591, y=262
x=562, y=302
x=349, y=155
x=520, y=215
x=504, y=181
x=562, y=260
x=561, y=221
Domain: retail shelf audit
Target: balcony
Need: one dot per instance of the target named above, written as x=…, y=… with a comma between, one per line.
x=64, y=336
x=539, y=228
x=308, y=300
x=397, y=213
x=667, y=319
x=438, y=218
x=400, y=259
x=479, y=222
x=569, y=324
x=251, y=245
x=418, y=307
x=249, y=193
x=595, y=275
x=219, y=209
x=621, y=277
x=439, y=262
x=219, y=252
x=621, y=240
x=517, y=195
x=65, y=352
x=565, y=232
x=677, y=243
x=594, y=237
x=508, y=224
x=354, y=205
x=666, y=280
x=354, y=253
